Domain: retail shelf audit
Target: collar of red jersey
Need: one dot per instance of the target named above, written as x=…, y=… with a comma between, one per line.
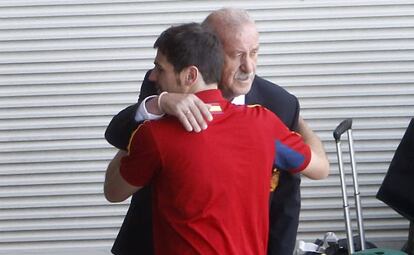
x=214, y=98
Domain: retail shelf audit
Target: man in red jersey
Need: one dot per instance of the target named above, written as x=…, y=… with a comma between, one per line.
x=210, y=189
x=240, y=84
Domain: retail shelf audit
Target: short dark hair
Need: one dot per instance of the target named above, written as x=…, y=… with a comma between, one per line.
x=191, y=44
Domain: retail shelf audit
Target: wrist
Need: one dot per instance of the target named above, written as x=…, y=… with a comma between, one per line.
x=151, y=106
x=145, y=113
x=159, y=101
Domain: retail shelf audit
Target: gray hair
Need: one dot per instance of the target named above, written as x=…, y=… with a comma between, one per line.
x=230, y=18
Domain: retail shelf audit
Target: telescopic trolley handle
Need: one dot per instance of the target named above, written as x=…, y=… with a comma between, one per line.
x=346, y=126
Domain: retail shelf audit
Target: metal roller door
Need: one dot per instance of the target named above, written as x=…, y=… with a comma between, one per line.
x=66, y=67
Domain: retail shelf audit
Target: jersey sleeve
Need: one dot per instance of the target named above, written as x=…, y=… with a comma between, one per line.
x=143, y=159
x=291, y=152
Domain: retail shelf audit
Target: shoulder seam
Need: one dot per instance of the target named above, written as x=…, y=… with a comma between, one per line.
x=253, y=105
x=133, y=134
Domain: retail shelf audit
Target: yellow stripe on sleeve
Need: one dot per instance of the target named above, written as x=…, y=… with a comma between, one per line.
x=132, y=136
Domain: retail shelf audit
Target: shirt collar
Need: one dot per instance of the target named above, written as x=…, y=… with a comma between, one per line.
x=216, y=100
x=239, y=100
x=211, y=96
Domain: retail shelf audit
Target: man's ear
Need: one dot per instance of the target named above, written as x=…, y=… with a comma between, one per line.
x=190, y=76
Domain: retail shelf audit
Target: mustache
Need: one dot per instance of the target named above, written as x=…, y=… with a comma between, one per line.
x=241, y=76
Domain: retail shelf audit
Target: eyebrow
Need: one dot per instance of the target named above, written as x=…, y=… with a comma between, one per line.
x=257, y=47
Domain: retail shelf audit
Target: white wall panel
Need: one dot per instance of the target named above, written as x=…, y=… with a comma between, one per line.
x=66, y=67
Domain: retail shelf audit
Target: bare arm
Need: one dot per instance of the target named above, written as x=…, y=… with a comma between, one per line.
x=318, y=168
x=188, y=108
x=116, y=189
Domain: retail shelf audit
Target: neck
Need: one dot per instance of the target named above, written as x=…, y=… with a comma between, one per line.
x=229, y=96
x=203, y=87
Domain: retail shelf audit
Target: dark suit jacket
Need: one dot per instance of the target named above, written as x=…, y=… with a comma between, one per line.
x=135, y=235
x=397, y=189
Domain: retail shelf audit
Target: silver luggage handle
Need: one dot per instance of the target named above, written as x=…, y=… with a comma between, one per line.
x=342, y=128
x=346, y=126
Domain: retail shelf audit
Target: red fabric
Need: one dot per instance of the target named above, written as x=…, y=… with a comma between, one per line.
x=211, y=189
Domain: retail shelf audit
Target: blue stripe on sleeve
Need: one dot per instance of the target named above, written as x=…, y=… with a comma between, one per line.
x=286, y=158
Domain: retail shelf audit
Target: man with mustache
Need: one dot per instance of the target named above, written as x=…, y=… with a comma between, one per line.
x=210, y=190
x=238, y=34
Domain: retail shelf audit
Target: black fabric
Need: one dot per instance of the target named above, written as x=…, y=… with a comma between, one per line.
x=123, y=124
x=135, y=235
x=397, y=189
x=285, y=201
x=341, y=248
x=284, y=215
x=135, y=238
x=276, y=99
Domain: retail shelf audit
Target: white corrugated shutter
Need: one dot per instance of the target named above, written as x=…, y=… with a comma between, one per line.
x=66, y=67
x=346, y=59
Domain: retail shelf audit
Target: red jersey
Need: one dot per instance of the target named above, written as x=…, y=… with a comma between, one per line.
x=211, y=189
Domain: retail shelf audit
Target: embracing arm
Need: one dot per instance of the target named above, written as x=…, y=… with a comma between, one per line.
x=318, y=167
x=128, y=172
x=116, y=189
x=300, y=153
x=191, y=111
x=188, y=108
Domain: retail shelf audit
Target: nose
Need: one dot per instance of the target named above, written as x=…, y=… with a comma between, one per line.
x=248, y=64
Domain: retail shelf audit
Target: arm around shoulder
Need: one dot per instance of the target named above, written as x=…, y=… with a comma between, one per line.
x=130, y=171
x=116, y=189
x=318, y=167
